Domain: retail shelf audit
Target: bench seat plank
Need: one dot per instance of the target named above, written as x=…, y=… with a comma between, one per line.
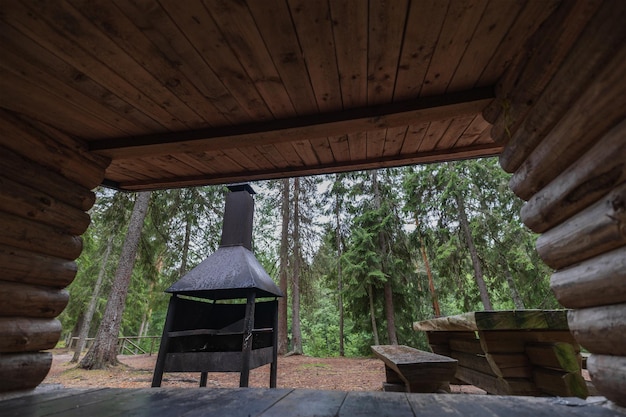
x=421, y=371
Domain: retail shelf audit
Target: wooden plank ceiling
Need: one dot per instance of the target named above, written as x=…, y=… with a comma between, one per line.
x=202, y=92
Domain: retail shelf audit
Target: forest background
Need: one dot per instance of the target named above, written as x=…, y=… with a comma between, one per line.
x=361, y=255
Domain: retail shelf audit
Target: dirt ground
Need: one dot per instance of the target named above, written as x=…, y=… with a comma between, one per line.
x=345, y=374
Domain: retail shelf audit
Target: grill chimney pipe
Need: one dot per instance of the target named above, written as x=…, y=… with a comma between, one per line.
x=238, y=216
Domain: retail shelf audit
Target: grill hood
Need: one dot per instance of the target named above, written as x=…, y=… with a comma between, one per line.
x=232, y=271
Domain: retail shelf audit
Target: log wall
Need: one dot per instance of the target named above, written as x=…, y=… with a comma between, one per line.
x=566, y=148
x=46, y=179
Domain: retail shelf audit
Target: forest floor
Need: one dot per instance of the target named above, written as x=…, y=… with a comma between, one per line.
x=344, y=374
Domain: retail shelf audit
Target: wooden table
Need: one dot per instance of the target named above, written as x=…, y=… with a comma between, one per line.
x=516, y=352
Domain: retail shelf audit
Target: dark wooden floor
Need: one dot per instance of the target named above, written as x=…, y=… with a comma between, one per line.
x=188, y=402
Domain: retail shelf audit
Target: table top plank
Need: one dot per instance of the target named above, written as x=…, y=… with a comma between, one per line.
x=498, y=320
x=376, y=404
x=302, y=403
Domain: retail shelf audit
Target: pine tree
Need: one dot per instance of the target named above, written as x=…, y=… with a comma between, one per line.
x=104, y=350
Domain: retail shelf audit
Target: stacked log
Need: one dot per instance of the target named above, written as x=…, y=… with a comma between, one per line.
x=46, y=179
x=566, y=148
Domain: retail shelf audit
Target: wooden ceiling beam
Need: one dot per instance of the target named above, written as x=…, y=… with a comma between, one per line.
x=468, y=152
x=422, y=110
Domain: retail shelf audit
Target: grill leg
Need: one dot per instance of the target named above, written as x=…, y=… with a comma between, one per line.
x=157, y=377
x=274, y=365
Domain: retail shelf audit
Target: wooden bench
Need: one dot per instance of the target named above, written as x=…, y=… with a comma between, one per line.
x=412, y=370
x=518, y=352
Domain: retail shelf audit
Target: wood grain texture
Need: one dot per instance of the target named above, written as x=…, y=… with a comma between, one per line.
x=536, y=65
x=419, y=371
x=318, y=50
x=598, y=281
x=607, y=373
x=452, y=44
x=21, y=334
x=498, y=320
x=557, y=355
x=298, y=403
x=387, y=21
x=36, y=237
x=52, y=149
x=105, y=71
x=25, y=202
x=600, y=330
x=510, y=365
x=28, y=267
x=598, y=229
x=557, y=152
x=21, y=371
x=562, y=384
x=598, y=42
x=596, y=173
x=23, y=300
x=24, y=171
x=330, y=124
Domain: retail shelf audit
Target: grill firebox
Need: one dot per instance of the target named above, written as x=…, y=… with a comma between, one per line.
x=211, y=332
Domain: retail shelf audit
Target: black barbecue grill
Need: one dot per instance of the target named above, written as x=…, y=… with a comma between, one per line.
x=206, y=329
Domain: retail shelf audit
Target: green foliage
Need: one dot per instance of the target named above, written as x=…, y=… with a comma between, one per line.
x=339, y=214
x=502, y=241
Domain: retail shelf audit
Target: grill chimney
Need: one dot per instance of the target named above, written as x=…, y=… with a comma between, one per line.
x=238, y=216
x=232, y=270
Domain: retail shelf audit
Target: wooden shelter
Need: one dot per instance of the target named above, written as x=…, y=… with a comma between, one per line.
x=144, y=95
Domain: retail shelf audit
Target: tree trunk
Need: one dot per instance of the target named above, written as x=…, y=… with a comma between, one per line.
x=143, y=328
x=382, y=247
x=517, y=299
x=185, y=254
x=373, y=315
x=431, y=282
x=104, y=350
x=91, y=308
x=478, y=270
x=391, y=320
x=339, y=277
x=296, y=333
x=283, y=270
